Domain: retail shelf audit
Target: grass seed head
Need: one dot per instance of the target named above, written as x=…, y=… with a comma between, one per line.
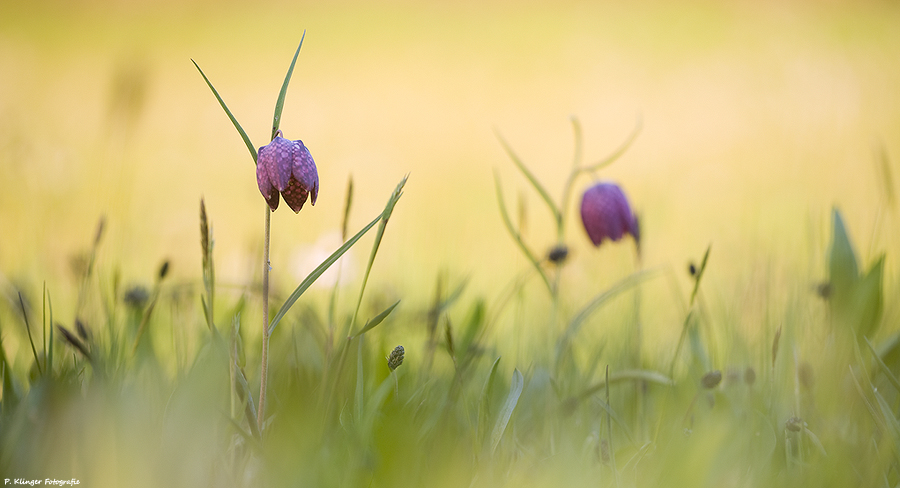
x=711, y=380
x=749, y=376
x=558, y=254
x=396, y=358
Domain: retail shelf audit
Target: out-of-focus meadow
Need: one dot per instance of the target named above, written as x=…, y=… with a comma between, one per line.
x=756, y=119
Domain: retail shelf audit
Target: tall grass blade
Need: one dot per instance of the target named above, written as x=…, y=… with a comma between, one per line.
x=531, y=178
x=385, y=216
x=50, y=345
x=884, y=367
x=699, y=275
x=28, y=328
x=623, y=285
x=484, y=407
x=279, y=104
x=348, y=203
x=314, y=275
x=887, y=177
x=620, y=150
x=234, y=121
x=360, y=383
x=869, y=300
x=515, y=390
x=10, y=398
x=517, y=237
x=247, y=397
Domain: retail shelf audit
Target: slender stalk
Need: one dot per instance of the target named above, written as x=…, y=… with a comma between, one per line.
x=264, y=362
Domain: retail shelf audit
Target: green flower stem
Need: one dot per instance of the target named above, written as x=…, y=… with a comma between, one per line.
x=264, y=362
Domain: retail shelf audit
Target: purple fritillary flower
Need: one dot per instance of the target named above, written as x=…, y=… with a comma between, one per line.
x=606, y=214
x=285, y=167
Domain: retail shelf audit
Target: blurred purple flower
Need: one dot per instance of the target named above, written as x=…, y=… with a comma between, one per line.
x=606, y=214
x=285, y=167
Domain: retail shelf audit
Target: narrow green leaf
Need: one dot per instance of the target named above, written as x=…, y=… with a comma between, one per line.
x=518, y=238
x=279, y=104
x=10, y=398
x=870, y=300
x=484, y=407
x=360, y=383
x=700, y=274
x=314, y=275
x=887, y=178
x=629, y=375
x=515, y=390
x=234, y=121
x=348, y=202
x=884, y=367
x=374, y=321
x=30, y=339
x=620, y=150
x=247, y=397
x=531, y=178
x=385, y=216
x=623, y=284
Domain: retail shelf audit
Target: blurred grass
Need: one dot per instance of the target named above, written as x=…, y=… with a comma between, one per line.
x=758, y=117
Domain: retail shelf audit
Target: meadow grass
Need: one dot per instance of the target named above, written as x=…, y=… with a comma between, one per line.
x=156, y=392
x=110, y=403
x=773, y=369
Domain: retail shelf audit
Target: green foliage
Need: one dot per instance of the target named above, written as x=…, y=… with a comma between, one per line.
x=856, y=301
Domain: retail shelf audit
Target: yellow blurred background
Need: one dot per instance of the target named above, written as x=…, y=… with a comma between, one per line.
x=757, y=118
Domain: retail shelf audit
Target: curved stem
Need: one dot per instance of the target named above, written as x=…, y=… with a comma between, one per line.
x=264, y=364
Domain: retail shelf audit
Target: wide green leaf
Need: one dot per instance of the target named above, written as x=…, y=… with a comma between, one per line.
x=842, y=264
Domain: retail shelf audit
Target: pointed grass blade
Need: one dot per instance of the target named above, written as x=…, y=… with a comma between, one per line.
x=516, y=236
x=314, y=275
x=884, y=367
x=531, y=178
x=620, y=150
x=484, y=408
x=279, y=104
x=234, y=121
x=372, y=323
x=385, y=216
x=515, y=390
x=700, y=274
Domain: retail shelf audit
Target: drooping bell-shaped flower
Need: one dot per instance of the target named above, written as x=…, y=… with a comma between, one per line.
x=606, y=214
x=285, y=167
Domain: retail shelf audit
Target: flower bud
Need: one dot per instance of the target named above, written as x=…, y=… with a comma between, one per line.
x=606, y=214
x=285, y=167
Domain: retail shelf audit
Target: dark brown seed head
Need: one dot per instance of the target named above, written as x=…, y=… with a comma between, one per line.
x=81, y=329
x=749, y=376
x=163, y=270
x=558, y=254
x=711, y=380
